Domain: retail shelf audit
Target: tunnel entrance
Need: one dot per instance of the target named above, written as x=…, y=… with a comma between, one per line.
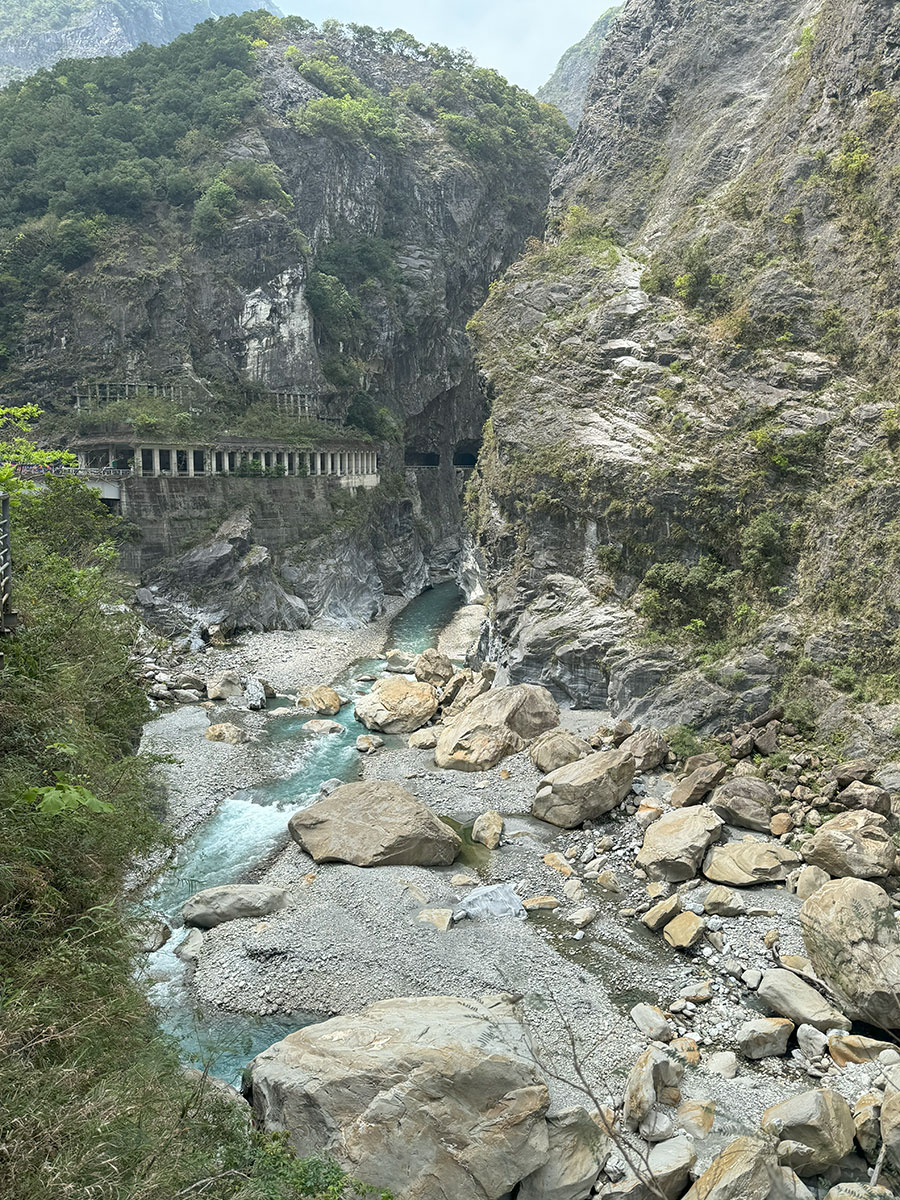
x=466, y=454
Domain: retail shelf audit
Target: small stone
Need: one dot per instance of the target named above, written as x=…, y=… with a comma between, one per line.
x=684, y=931
x=698, y=993
x=771, y=938
x=651, y=1022
x=723, y=902
x=687, y=1049
x=662, y=913
x=572, y=889
x=582, y=917
x=752, y=978
x=487, y=829
x=540, y=904
x=766, y=1037
x=440, y=918
x=723, y=1063
x=423, y=739
x=810, y=880
x=458, y=881
x=558, y=863
x=226, y=732
x=812, y=1042
x=696, y=1117
x=781, y=824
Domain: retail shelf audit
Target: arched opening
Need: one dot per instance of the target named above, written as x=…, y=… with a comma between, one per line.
x=466, y=454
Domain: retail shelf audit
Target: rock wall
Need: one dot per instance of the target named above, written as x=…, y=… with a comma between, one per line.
x=687, y=502
x=567, y=87
x=108, y=29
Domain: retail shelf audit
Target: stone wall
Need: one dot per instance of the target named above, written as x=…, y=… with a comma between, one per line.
x=172, y=514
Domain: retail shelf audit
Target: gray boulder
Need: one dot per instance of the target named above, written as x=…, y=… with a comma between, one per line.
x=578, y=1150
x=750, y=862
x=790, y=996
x=584, y=790
x=501, y=722
x=855, y=844
x=814, y=1130
x=431, y=1098
x=745, y=801
x=853, y=942
x=433, y=667
x=557, y=748
x=675, y=844
x=647, y=747
x=374, y=824
x=231, y=902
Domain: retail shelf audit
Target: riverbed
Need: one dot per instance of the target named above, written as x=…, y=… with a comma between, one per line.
x=350, y=936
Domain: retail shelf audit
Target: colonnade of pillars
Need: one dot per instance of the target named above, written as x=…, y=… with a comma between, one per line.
x=189, y=462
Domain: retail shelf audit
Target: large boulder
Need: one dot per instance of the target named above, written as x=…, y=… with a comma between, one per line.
x=814, y=1130
x=790, y=996
x=647, y=747
x=579, y=1149
x=397, y=705
x=431, y=1098
x=745, y=801
x=501, y=722
x=697, y=784
x=745, y=1170
x=226, y=731
x=654, y=1079
x=854, y=843
x=584, y=790
x=435, y=668
x=321, y=699
x=557, y=748
x=230, y=902
x=224, y=685
x=675, y=844
x=667, y=1171
x=374, y=824
x=853, y=942
x=749, y=863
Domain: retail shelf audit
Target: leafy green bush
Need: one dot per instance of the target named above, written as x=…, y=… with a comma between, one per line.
x=356, y=121
x=214, y=211
x=694, y=598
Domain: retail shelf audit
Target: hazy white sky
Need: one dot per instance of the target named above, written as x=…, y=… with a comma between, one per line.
x=523, y=39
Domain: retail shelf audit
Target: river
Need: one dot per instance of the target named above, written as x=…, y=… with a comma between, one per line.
x=246, y=829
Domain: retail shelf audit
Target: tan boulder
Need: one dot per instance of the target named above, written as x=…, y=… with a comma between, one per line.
x=847, y=1048
x=227, y=732
x=435, y=668
x=664, y=911
x=224, y=686
x=488, y=829
x=764, y=1037
x=374, y=824
x=743, y=1171
x=423, y=739
x=675, y=844
x=656, y=1075
x=853, y=941
x=746, y=802
x=856, y=844
x=810, y=880
x=397, y=706
x=814, y=1130
x=697, y=784
x=501, y=722
x=889, y=1125
x=790, y=996
x=747, y=863
x=321, y=699
x=431, y=1097
x=584, y=790
x=557, y=748
x=647, y=747
x=578, y=1150
x=667, y=1173
x=684, y=931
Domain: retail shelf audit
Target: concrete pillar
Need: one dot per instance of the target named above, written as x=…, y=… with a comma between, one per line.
x=155, y=453
x=190, y=461
x=138, y=461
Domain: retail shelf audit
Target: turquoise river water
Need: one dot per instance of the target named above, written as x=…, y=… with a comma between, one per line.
x=247, y=828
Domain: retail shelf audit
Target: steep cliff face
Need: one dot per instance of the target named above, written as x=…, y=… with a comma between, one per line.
x=32, y=40
x=688, y=503
x=333, y=240
x=568, y=86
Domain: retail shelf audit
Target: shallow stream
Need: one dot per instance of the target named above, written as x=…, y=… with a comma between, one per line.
x=246, y=829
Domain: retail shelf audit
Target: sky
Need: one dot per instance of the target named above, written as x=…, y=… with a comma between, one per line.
x=522, y=39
